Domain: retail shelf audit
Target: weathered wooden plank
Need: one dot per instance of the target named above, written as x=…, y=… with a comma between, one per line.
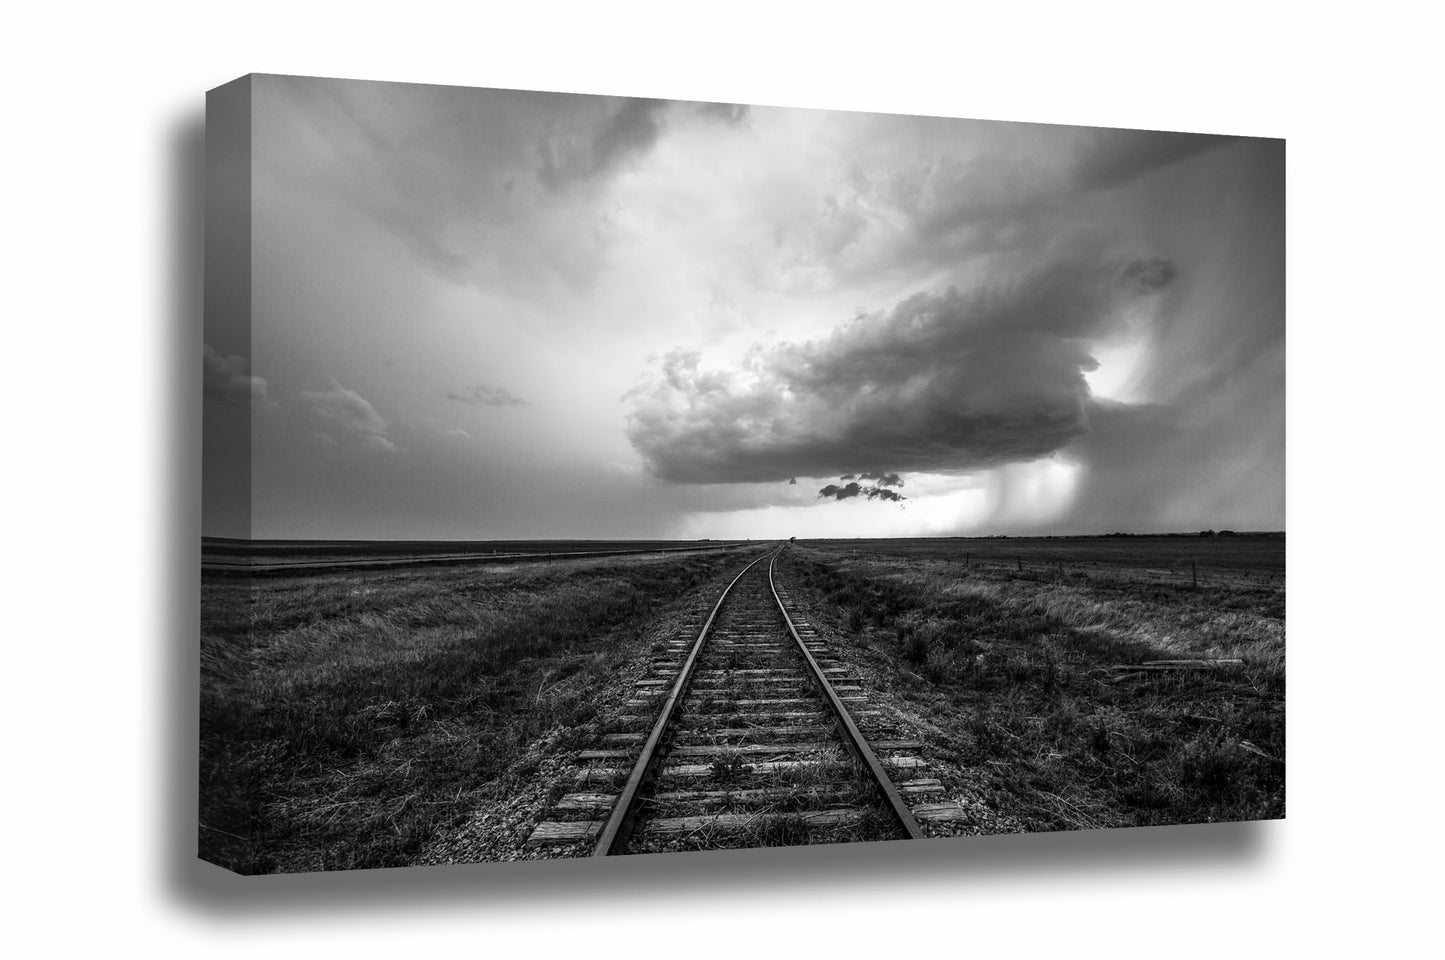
x=937, y=812
x=788, y=701
x=759, y=716
x=696, y=719
x=716, y=683
x=747, y=749
x=757, y=795
x=693, y=770
x=903, y=763
x=601, y=773
x=565, y=832
x=690, y=770
x=758, y=731
x=671, y=826
x=586, y=801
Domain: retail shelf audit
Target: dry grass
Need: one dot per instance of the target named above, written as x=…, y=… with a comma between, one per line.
x=346, y=720
x=1010, y=677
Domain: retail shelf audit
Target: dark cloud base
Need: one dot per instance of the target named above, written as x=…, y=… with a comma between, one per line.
x=944, y=382
x=854, y=489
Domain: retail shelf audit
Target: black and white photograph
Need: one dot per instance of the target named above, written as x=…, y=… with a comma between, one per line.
x=801, y=480
x=590, y=476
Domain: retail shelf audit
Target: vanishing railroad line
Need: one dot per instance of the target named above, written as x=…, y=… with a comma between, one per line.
x=749, y=734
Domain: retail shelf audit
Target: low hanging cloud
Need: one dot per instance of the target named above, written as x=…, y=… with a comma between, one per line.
x=936, y=212
x=229, y=380
x=877, y=491
x=485, y=395
x=347, y=416
x=884, y=479
x=944, y=382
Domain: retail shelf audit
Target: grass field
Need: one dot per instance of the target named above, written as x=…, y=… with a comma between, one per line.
x=1033, y=680
x=348, y=719
x=1177, y=559
x=358, y=719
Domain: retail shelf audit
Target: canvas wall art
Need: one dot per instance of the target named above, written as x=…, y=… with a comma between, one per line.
x=594, y=476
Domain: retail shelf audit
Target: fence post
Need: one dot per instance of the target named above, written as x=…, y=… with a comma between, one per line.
x=1020, y=563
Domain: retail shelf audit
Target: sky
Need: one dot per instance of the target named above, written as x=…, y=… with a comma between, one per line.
x=501, y=314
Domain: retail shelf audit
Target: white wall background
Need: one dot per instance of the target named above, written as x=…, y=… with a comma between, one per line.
x=102, y=111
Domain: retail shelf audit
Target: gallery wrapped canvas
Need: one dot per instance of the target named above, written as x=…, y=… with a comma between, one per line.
x=589, y=476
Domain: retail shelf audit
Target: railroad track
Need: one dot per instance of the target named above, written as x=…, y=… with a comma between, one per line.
x=750, y=733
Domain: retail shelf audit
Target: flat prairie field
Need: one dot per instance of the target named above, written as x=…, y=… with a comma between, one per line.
x=350, y=719
x=372, y=718
x=1074, y=682
x=1233, y=556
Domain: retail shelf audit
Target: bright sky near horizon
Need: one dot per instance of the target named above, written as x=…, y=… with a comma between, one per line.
x=487, y=314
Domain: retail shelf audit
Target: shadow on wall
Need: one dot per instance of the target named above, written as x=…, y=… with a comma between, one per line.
x=179, y=659
x=199, y=887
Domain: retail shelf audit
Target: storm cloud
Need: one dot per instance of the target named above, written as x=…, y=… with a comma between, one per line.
x=944, y=382
x=848, y=490
x=493, y=313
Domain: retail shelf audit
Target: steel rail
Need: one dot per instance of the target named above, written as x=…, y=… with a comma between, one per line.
x=851, y=734
x=624, y=813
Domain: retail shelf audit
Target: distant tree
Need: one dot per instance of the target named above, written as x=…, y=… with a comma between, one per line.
x=1206, y=533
